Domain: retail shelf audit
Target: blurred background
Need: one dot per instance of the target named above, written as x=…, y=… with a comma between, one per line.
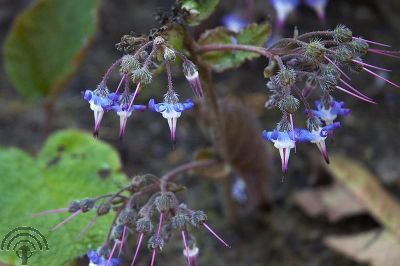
x=288, y=234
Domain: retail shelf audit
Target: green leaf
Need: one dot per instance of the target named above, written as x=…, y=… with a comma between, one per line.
x=46, y=44
x=71, y=166
x=199, y=9
x=253, y=34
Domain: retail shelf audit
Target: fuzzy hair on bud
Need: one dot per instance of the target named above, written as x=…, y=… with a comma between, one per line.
x=198, y=218
x=74, y=206
x=127, y=217
x=359, y=46
x=118, y=231
x=144, y=225
x=171, y=97
x=342, y=34
x=142, y=75
x=343, y=54
x=155, y=242
x=103, y=208
x=289, y=104
x=314, y=50
x=129, y=64
x=166, y=201
x=286, y=77
x=169, y=54
x=180, y=221
x=86, y=204
x=159, y=40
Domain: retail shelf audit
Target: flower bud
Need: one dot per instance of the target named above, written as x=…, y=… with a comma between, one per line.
x=192, y=255
x=166, y=201
x=159, y=40
x=289, y=104
x=142, y=75
x=144, y=225
x=141, y=181
x=198, y=218
x=342, y=34
x=314, y=50
x=86, y=204
x=118, y=231
x=180, y=221
x=103, y=208
x=155, y=242
x=343, y=54
x=359, y=46
x=128, y=64
x=286, y=77
x=127, y=217
x=328, y=82
x=169, y=54
x=74, y=206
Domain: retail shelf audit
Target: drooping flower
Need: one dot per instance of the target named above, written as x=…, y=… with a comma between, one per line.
x=171, y=109
x=328, y=115
x=319, y=6
x=192, y=76
x=318, y=137
x=191, y=254
x=98, y=99
x=283, y=8
x=95, y=259
x=284, y=142
x=124, y=109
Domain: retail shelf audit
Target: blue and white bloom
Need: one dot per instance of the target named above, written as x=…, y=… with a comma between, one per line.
x=96, y=260
x=283, y=141
x=318, y=137
x=328, y=115
x=319, y=6
x=98, y=99
x=124, y=109
x=171, y=109
x=234, y=22
x=283, y=8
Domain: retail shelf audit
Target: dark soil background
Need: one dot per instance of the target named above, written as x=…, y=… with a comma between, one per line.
x=285, y=236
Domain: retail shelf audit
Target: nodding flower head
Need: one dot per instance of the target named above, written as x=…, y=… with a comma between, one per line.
x=318, y=136
x=95, y=259
x=124, y=109
x=283, y=8
x=319, y=6
x=234, y=22
x=98, y=99
x=330, y=113
x=192, y=76
x=170, y=109
x=284, y=142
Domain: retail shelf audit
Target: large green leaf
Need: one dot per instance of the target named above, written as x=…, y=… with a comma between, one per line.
x=253, y=34
x=46, y=44
x=199, y=9
x=72, y=165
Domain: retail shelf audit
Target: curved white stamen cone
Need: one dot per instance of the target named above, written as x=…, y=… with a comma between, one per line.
x=322, y=148
x=123, y=118
x=172, y=117
x=192, y=254
x=285, y=154
x=98, y=113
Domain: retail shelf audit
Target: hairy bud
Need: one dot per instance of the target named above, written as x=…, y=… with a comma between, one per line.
x=159, y=40
x=86, y=204
x=118, y=231
x=169, y=54
x=180, y=221
x=142, y=75
x=74, y=206
x=127, y=217
x=342, y=34
x=144, y=225
x=198, y=218
x=129, y=64
x=289, y=104
x=103, y=208
x=328, y=82
x=155, y=243
x=166, y=201
x=359, y=46
x=314, y=50
x=343, y=54
x=286, y=77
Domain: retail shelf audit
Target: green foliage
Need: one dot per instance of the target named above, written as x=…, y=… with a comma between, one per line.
x=71, y=165
x=46, y=44
x=199, y=9
x=253, y=34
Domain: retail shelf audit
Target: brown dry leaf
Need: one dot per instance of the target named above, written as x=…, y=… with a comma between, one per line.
x=377, y=247
x=367, y=189
x=336, y=202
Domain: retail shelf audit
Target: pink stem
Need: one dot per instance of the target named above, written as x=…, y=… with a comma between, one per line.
x=49, y=212
x=66, y=220
x=122, y=241
x=153, y=257
x=112, y=252
x=337, y=67
x=186, y=246
x=355, y=95
x=120, y=83
x=137, y=248
x=371, y=66
x=134, y=95
x=380, y=77
x=355, y=90
x=376, y=43
x=88, y=225
x=385, y=53
x=215, y=235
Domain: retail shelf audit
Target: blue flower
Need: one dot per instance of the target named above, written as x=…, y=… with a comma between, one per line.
x=234, y=22
x=319, y=7
x=124, y=109
x=284, y=142
x=283, y=8
x=318, y=137
x=98, y=99
x=96, y=260
x=171, y=110
x=330, y=114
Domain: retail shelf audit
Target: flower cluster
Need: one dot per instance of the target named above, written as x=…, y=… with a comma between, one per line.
x=135, y=67
x=317, y=62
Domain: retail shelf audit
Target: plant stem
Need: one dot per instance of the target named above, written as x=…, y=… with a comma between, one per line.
x=234, y=47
